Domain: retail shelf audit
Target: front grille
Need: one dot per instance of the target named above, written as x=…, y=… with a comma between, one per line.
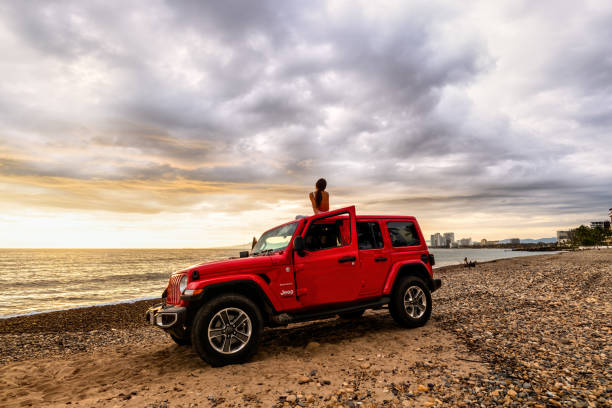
x=174, y=294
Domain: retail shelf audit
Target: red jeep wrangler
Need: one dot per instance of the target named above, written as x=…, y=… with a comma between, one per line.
x=328, y=264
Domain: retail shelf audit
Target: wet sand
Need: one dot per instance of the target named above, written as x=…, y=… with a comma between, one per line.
x=531, y=331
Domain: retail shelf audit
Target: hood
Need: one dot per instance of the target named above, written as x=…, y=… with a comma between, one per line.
x=233, y=265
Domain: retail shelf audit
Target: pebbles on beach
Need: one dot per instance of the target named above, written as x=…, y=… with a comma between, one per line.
x=518, y=332
x=75, y=330
x=542, y=324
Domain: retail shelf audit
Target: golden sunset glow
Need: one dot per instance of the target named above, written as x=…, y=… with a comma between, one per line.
x=167, y=126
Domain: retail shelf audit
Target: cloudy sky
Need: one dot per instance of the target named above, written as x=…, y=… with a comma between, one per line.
x=196, y=124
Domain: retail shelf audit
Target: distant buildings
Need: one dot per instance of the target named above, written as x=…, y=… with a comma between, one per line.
x=605, y=225
x=610, y=215
x=600, y=224
x=564, y=236
x=465, y=242
x=437, y=240
x=442, y=241
x=449, y=239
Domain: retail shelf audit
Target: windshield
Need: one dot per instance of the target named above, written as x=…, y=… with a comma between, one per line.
x=275, y=239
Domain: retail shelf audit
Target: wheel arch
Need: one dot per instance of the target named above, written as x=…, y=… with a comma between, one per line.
x=245, y=287
x=410, y=269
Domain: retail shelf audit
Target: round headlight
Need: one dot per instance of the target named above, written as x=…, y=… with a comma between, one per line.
x=183, y=284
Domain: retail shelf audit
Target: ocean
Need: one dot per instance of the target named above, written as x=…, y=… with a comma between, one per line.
x=446, y=256
x=39, y=280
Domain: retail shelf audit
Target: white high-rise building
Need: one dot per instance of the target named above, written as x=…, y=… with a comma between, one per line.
x=449, y=239
x=442, y=241
x=436, y=240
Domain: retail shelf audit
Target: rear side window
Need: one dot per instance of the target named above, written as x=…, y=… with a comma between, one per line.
x=403, y=233
x=369, y=235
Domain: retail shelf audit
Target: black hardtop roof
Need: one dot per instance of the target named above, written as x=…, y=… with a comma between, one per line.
x=386, y=217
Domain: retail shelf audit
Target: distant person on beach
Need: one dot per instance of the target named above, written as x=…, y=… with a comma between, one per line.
x=469, y=264
x=320, y=197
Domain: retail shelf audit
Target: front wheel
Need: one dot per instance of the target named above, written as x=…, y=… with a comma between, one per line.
x=181, y=336
x=410, y=304
x=227, y=330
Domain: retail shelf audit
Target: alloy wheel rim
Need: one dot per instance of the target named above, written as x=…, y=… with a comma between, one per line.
x=229, y=331
x=415, y=302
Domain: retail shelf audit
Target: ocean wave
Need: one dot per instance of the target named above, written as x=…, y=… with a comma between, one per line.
x=118, y=302
x=80, y=280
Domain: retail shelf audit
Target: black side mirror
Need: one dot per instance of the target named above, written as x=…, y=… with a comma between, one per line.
x=298, y=245
x=244, y=254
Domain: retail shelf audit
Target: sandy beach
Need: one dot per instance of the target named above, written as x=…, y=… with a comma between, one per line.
x=531, y=331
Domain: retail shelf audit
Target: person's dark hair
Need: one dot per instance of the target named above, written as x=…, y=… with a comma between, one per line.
x=321, y=184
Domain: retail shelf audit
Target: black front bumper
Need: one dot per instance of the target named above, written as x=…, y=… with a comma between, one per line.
x=165, y=316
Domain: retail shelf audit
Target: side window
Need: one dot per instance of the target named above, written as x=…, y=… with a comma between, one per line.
x=378, y=239
x=330, y=232
x=403, y=233
x=369, y=235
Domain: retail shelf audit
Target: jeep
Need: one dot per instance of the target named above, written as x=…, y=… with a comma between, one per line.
x=317, y=267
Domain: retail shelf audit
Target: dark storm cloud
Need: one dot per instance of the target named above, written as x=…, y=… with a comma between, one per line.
x=278, y=107
x=583, y=61
x=285, y=92
x=518, y=200
x=233, y=20
x=158, y=143
x=56, y=29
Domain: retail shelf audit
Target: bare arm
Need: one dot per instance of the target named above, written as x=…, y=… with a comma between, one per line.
x=312, y=201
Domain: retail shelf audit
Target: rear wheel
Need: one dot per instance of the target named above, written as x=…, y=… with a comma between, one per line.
x=227, y=330
x=410, y=304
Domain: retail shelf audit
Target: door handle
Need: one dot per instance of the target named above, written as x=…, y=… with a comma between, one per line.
x=347, y=259
x=380, y=259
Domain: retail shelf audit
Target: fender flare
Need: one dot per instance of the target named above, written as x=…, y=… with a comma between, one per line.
x=417, y=268
x=255, y=284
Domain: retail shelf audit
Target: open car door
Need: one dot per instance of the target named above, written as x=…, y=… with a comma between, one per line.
x=328, y=270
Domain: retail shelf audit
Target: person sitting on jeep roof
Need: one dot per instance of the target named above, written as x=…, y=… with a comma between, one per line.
x=320, y=198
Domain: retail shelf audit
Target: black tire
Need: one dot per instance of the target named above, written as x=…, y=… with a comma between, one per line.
x=356, y=314
x=214, y=315
x=415, y=313
x=181, y=336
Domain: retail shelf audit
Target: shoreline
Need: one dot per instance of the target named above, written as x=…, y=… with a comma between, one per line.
x=151, y=298
x=129, y=314
x=121, y=315
x=148, y=298
x=523, y=331
x=113, y=303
